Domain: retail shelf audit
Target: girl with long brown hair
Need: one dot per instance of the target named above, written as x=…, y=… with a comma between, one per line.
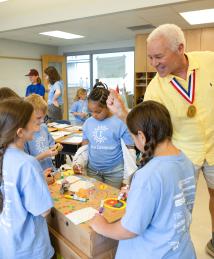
x=55, y=95
x=160, y=201
x=24, y=197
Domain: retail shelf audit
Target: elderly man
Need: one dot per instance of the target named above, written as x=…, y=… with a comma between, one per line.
x=184, y=83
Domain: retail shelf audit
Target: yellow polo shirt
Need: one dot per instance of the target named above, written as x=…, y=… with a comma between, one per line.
x=194, y=136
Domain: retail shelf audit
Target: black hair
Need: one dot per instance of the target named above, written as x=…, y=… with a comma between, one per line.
x=153, y=119
x=99, y=94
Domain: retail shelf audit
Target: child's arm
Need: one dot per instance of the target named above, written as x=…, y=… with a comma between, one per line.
x=48, y=153
x=76, y=113
x=111, y=230
x=45, y=214
x=78, y=168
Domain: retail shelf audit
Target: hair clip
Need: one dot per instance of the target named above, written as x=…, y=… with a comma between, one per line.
x=101, y=85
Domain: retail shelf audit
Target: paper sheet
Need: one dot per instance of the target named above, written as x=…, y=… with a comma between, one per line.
x=80, y=185
x=71, y=179
x=82, y=215
x=73, y=139
x=74, y=128
x=62, y=126
x=59, y=134
x=52, y=124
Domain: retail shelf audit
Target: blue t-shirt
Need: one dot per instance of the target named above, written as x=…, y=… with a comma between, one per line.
x=41, y=142
x=105, y=151
x=35, y=89
x=80, y=106
x=23, y=231
x=58, y=85
x=159, y=208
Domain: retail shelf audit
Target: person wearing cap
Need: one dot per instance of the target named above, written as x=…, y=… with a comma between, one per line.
x=35, y=87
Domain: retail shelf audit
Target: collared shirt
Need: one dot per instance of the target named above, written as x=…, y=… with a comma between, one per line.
x=194, y=136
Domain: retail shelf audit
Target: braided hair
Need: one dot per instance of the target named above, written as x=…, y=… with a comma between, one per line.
x=15, y=113
x=153, y=119
x=99, y=94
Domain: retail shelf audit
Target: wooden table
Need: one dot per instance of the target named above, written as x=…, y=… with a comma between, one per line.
x=80, y=241
x=69, y=148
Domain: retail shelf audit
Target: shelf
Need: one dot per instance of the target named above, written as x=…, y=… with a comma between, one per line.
x=142, y=79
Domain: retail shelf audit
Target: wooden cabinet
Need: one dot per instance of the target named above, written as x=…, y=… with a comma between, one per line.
x=193, y=40
x=140, y=53
x=142, y=80
x=143, y=71
x=207, y=39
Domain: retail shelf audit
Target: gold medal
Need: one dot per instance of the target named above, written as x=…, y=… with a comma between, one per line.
x=191, y=111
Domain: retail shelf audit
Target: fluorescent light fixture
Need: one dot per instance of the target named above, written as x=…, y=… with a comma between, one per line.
x=199, y=17
x=61, y=34
x=3, y=1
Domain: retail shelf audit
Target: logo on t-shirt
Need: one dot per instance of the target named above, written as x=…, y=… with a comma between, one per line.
x=98, y=134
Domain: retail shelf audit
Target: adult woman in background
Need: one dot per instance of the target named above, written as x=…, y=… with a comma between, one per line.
x=55, y=100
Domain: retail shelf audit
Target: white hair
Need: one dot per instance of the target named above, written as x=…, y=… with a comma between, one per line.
x=171, y=32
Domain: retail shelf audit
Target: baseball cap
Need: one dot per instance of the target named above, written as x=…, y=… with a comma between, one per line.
x=33, y=72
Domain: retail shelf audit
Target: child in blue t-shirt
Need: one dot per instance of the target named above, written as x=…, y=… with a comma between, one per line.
x=24, y=196
x=103, y=133
x=80, y=107
x=42, y=146
x=162, y=193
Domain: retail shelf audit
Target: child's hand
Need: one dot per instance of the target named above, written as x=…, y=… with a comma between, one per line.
x=83, y=114
x=97, y=223
x=53, y=151
x=125, y=190
x=48, y=177
x=78, y=169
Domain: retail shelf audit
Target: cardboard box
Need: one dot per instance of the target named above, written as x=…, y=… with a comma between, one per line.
x=82, y=236
x=68, y=251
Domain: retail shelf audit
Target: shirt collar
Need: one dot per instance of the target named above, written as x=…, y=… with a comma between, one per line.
x=193, y=64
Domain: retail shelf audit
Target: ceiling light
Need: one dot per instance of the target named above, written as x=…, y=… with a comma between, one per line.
x=199, y=17
x=3, y=1
x=61, y=34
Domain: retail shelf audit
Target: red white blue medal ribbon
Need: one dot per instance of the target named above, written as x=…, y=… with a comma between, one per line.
x=190, y=94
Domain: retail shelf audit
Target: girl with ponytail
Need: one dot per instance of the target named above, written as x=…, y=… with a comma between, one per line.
x=24, y=196
x=160, y=201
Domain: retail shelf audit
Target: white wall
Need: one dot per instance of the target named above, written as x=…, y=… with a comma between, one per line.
x=100, y=46
x=12, y=71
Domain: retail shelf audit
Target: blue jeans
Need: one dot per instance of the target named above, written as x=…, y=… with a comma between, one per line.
x=113, y=177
